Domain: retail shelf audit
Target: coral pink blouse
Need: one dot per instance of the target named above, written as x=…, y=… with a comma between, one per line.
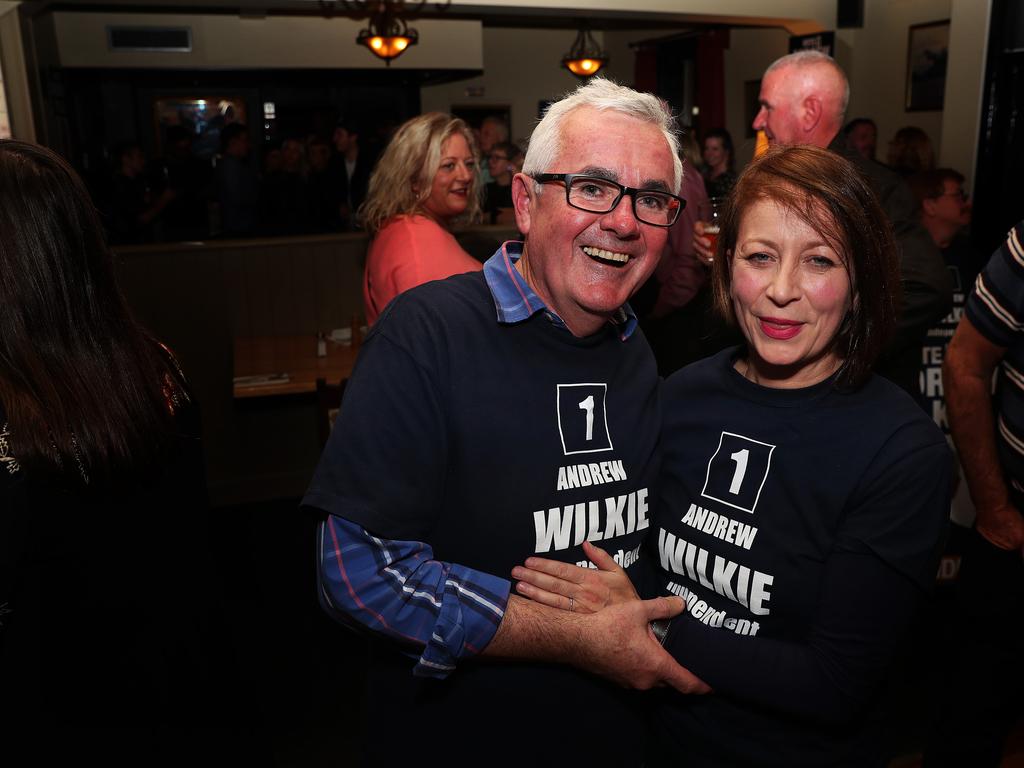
x=408, y=251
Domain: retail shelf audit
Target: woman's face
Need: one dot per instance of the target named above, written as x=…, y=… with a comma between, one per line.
x=453, y=181
x=790, y=292
x=714, y=153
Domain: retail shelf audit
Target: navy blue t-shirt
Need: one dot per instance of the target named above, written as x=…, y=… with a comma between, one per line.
x=493, y=442
x=802, y=526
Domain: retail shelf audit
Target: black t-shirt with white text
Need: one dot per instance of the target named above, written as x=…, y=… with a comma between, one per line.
x=493, y=442
x=802, y=526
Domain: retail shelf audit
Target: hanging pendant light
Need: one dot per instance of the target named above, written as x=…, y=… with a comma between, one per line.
x=387, y=34
x=585, y=58
x=387, y=37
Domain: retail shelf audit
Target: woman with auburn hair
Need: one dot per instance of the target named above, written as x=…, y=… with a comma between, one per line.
x=803, y=499
x=425, y=182
x=107, y=614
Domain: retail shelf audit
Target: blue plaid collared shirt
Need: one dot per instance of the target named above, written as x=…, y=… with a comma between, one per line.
x=442, y=611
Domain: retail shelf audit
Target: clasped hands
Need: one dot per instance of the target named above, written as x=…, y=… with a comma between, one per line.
x=618, y=642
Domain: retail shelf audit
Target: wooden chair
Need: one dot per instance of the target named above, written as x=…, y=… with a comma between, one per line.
x=328, y=403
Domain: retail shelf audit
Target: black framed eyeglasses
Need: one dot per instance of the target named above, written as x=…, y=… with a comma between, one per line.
x=598, y=195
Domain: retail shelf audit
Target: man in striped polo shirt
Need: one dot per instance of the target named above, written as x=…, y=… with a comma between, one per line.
x=984, y=687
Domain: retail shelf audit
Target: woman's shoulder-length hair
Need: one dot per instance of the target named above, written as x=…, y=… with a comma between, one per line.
x=401, y=181
x=836, y=200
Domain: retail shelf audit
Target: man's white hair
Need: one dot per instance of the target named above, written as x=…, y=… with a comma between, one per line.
x=807, y=59
x=602, y=95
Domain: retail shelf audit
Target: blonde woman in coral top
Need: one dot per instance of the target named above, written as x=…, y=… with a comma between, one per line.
x=425, y=181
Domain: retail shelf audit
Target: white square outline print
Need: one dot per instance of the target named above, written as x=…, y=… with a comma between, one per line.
x=604, y=412
x=767, y=468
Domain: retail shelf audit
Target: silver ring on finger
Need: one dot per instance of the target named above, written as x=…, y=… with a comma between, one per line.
x=572, y=605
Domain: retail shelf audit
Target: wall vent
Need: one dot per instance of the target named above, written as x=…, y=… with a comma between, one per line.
x=156, y=39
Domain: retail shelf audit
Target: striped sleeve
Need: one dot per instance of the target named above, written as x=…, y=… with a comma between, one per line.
x=441, y=611
x=996, y=305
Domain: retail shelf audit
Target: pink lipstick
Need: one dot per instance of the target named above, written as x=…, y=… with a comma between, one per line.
x=777, y=328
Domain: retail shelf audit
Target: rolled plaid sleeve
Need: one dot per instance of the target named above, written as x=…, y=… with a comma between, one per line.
x=442, y=611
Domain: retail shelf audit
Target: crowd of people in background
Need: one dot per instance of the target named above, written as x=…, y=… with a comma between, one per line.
x=316, y=184
x=299, y=185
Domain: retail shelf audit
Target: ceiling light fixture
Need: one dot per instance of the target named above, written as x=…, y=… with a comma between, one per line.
x=387, y=34
x=585, y=58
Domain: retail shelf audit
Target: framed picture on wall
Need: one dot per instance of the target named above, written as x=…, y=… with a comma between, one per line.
x=927, y=56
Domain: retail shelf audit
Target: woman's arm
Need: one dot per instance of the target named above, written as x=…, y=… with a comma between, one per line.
x=865, y=612
x=872, y=585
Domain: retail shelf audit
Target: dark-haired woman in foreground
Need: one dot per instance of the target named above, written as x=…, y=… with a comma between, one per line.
x=803, y=499
x=107, y=616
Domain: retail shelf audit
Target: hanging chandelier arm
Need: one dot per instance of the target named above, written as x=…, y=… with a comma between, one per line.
x=353, y=9
x=361, y=9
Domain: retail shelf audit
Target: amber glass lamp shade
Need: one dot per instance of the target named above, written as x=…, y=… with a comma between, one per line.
x=585, y=58
x=387, y=47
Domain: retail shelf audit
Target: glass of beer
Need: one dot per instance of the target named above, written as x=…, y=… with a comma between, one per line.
x=711, y=215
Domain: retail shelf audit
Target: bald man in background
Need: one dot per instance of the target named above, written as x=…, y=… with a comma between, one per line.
x=803, y=101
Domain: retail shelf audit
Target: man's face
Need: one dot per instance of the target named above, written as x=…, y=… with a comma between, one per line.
x=863, y=139
x=952, y=207
x=781, y=109
x=342, y=139
x=490, y=134
x=580, y=285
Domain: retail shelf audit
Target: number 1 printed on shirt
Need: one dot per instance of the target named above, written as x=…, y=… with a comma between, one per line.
x=582, y=410
x=587, y=404
x=740, y=457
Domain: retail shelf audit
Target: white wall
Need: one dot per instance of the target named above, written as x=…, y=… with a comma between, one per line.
x=749, y=54
x=961, y=119
x=875, y=60
x=521, y=68
x=277, y=41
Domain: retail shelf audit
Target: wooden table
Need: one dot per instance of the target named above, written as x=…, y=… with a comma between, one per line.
x=293, y=356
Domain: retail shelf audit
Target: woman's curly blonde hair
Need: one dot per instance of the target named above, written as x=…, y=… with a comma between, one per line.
x=401, y=182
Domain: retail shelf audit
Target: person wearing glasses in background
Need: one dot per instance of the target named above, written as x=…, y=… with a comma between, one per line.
x=945, y=212
x=498, y=415
x=424, y=183
x=505, y=160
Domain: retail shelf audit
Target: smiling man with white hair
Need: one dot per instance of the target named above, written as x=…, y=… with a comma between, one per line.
x=497, y=415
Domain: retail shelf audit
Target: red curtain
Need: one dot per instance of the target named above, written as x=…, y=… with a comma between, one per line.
x=710, y=68
x=646, y=69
